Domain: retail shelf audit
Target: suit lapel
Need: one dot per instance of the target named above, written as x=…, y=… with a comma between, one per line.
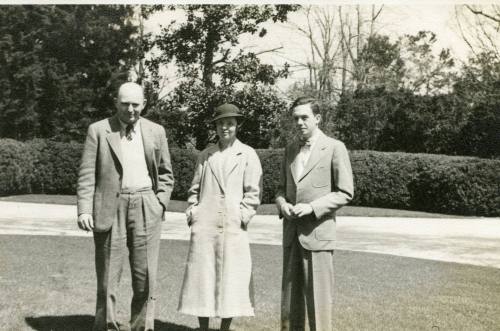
x=212, y=166
x=113, y=138
x=148, y=143
x=235, y=160
x=315, y=156
x=292, y=160
x=236, y=153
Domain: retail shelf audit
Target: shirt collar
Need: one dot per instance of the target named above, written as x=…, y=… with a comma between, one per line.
x=124, y=125
x=312, y=140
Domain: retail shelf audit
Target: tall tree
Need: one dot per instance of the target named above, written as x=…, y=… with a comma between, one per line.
x=426, y=70
x=379, y=64
x=336, y=38
x=479, y=26
x=58, y=66
x=206, y=44
x=213, y=66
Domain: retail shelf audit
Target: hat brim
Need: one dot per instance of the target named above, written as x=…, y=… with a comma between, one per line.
x=226, y=115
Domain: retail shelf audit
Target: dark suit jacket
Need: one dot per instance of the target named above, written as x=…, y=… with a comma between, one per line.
x=326, y=183
x=99, y=179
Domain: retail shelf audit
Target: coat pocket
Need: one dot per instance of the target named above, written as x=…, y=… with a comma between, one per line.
x=321, y=176
x=193, y=215
x=325, y=230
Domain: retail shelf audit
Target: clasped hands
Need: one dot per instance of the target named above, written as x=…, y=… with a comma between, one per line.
x=291, y=212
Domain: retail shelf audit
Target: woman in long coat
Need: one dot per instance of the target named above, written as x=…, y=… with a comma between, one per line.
x=223, y=197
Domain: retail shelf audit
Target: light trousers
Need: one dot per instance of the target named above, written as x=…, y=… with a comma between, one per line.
x=135, y=231
x=307, y=289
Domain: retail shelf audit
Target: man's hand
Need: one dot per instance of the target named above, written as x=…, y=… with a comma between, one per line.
x=302, y=209
x=86, y=222
x=286, y=210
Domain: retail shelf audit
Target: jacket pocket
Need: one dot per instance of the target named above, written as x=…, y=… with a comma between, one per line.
x=326, y=230
x=321, y=176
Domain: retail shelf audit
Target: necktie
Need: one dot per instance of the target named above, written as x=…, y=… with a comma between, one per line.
x=128, y=131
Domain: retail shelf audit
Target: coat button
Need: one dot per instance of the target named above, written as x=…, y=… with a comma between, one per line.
x=117, y=194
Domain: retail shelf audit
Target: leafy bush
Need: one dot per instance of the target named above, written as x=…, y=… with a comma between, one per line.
x=271, y=165
x=466, y=186
x=381, y=179
x=183, y=163
x=55, y=166
x=480, y=136
x=16, y=167
x=436, y=183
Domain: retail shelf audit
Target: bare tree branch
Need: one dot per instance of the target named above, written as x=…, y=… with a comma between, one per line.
x=481, y=13
x=462, y=33
x=224, y=57
x=269, y=50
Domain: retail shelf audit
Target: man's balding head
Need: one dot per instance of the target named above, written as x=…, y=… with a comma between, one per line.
x=130, y=102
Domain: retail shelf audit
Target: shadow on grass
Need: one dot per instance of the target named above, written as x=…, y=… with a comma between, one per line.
x=84, y=323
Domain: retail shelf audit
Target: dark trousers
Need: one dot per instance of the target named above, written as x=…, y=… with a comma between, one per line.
x=307, y=289
x=136, y=231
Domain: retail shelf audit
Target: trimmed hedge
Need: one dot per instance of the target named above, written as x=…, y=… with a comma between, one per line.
x=435, y=183
x=460, y=186
x=183, y=163
x=16, y=167
x=55, y=166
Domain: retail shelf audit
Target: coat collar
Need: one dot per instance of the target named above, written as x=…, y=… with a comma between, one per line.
x=235, y=151
x=114, y=139
x=316, y=153
x=148, y=142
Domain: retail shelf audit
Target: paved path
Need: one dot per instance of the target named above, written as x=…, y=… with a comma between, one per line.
x=464, y=240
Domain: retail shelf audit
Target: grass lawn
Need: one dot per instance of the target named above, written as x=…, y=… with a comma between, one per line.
x=48, y=283
x=268, y=209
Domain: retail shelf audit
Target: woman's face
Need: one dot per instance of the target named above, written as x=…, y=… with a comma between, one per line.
x=226, y=128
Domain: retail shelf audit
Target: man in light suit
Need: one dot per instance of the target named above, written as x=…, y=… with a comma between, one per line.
x=316, y=180
x=124, y=186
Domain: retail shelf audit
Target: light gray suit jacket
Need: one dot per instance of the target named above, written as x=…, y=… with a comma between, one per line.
x=100, y=174
x=326, y=183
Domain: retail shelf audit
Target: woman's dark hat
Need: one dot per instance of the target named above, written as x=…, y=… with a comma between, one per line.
x=226, y=110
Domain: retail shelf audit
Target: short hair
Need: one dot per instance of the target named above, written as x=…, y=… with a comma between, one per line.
x=305, y=101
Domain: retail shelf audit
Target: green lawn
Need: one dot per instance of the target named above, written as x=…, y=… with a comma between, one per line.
x=268, y=209
x=48, y=283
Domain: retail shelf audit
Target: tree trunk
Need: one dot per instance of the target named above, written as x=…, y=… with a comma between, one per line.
x=208, y=60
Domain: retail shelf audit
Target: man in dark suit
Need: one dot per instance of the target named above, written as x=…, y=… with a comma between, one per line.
x=124, y=186
x=316, y=180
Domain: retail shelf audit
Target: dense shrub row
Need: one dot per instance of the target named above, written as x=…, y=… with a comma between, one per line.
x=427, y=182
x=437, y=183
x=16, y=167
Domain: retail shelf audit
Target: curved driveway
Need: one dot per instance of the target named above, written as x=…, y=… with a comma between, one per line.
x=464, y=240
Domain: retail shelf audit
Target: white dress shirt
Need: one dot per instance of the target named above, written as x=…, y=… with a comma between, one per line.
x=135, y=170
x=304, y=154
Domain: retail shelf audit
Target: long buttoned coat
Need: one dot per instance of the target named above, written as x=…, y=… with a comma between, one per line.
x=218, y=276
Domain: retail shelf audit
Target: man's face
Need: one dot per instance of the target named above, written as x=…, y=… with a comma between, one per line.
x=305, y=121
x=129, y=103
x=226, y=128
